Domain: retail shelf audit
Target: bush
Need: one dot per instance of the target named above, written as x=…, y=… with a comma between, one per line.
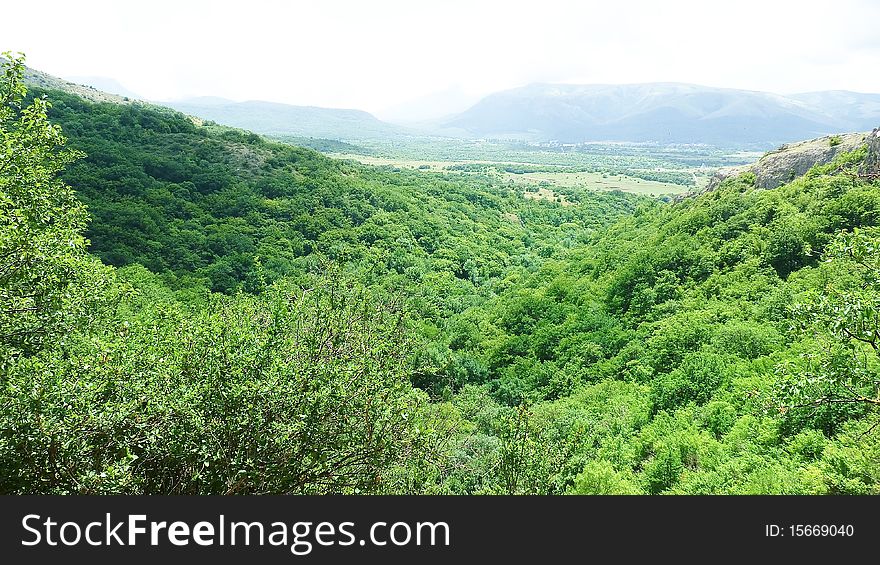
x=695, y=380
x=300, y=391
x=599, y=477
x=664, y=469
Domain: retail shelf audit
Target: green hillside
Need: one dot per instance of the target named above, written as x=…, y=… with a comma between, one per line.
x=206, y=203
x=280, y=120
x=264, y=319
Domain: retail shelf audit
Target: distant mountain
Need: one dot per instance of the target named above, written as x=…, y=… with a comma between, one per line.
x=275, y=119
x=320, y=125
x=107, y=85
x=662, y=112
x=649, y=112
x=858, y=109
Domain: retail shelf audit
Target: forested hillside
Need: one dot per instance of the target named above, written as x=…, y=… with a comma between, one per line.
x=208, y=202
x=253, y=317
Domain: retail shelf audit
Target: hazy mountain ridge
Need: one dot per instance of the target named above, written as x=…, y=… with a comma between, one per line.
x=277, y=119
x=649, y=112
x=664, y=112
x=855, y=107
x=267, y=118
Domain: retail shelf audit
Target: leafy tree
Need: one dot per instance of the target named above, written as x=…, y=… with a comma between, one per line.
x=519, y=457
x=48, y=282
x=599, y=477
x=303, y=390
x=845, y=319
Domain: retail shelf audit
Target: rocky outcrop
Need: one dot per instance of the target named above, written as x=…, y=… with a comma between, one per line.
x=871, y=167
x=793, y=160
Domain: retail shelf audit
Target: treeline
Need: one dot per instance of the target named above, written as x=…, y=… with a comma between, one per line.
x=673, y=177
x=325, y=145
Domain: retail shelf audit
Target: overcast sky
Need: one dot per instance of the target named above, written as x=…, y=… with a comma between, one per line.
x=379, y=55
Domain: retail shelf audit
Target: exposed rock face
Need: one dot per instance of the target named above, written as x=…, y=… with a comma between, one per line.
x=793, y=160
x=872, y=161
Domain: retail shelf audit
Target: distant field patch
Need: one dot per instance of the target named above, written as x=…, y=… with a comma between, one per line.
x=587, y=180
x=420, y=165
x=599, y=181
x=547, y=194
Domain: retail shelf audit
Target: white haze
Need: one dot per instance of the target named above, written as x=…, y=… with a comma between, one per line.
x=414, y=60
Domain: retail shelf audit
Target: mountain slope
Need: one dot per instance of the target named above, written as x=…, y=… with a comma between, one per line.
x=659, y=112
x=106, y=84
x=857, y=109
x=275, y=119
x=39, y=79
x=267, y=118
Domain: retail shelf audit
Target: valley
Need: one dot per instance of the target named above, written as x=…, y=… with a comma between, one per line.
x=192, y=308
x=557, y=177
x=639, y=168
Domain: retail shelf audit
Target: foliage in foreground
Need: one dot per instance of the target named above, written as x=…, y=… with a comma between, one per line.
x=301, y=391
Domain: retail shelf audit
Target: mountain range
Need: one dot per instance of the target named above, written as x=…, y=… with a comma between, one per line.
x=566, y=113
x=663, y=112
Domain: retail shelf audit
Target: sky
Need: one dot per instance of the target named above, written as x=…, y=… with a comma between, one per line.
x=409, y=59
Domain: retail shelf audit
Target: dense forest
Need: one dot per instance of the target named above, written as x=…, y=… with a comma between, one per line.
x=194, y=309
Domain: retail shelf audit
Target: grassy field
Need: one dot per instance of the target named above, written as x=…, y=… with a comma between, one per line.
x=403, y=163
x=588, y=180
x=600, y=181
